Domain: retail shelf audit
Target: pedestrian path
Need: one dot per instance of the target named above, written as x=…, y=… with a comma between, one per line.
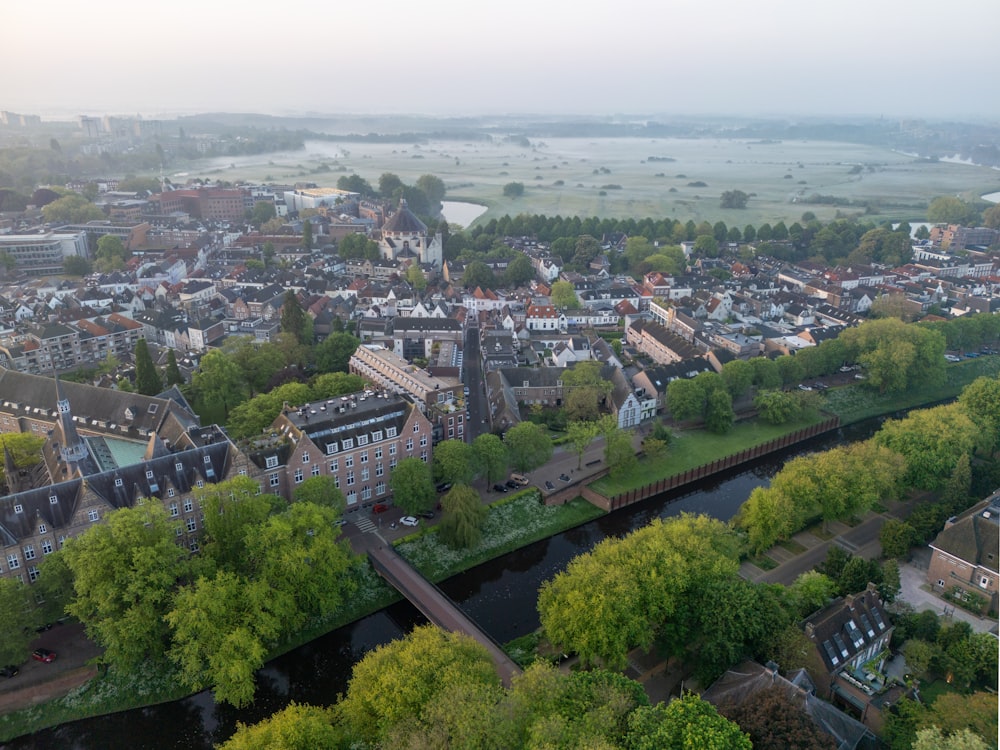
x=366, y=525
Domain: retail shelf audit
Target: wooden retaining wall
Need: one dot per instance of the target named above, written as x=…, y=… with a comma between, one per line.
x=700, y=472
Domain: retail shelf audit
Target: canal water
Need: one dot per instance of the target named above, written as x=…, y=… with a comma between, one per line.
x=499, y=595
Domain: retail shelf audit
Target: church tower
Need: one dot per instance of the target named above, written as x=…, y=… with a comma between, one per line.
x=72, y=450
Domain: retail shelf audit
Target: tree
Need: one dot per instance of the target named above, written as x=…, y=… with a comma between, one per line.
x=948, y=209
x=580, y=435
x=17, y=621
x=321, y=490
x=263, y=211
x=619, y=454
x=963, y=739
x=464, y=513
x=519, y=271
x=147, y=380
x=415, y=276
x=173, y=373
x=719, y=415
x=811, y=591
x=774, y=722
x=219, y=382
x=685, y=723
x=307, y=235
x=478, y=274
x=564, y=296
x=896, y=538
x=513, y=190
x=777, y=407
x=433, y=187
x=454, y=462
x=581, y=404
x=490, y=456
x=333, y=354
x=981, y=401
x=399, y=682
x=930, y=460
x=296, y=727
x=706, y=246
x=124, y=574
x=528, y=446
x=355, y=184
x=25, y=449
x=412, y=486
x=734, y=199
x=71, y=209
x=738, y=377
x=231, y=509
x=77, y=265
x=685, y=399
x=111, y=253
x=293, y=317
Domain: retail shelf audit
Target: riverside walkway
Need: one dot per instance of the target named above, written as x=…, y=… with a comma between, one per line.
x=435, y=606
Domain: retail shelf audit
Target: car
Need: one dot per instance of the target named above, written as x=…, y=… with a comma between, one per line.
x=858, y=376
x=846, y=368
x=952, y=358
x=342, y=522
x=409, y=521
x=512, y=484
x=820, y=386
x=380, y=508
x=804, y=387
x=9, y=671
x=520, y=480
x=549, y=485
x=443, y=487
x=428, y=514
x=43, y=654
x=971, y=355
x=500, y=487
x=564, y=477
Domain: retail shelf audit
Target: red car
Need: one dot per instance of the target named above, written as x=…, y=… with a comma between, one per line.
x=380, y=508
x=43, y=654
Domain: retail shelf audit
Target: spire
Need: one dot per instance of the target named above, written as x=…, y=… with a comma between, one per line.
x=73, y=450
x=10, y=471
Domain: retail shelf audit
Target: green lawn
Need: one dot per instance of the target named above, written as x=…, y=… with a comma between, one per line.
x=792, y=546
x=511, y=524
x=694, y=448
x=764, y=562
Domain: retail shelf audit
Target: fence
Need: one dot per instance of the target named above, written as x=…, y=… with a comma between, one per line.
x=722, y=464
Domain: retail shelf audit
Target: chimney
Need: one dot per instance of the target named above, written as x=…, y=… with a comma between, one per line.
x=849, y=601
x=810, y=630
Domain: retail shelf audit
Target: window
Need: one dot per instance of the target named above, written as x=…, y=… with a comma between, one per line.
x=392, y=464
x=118, y=482
x=93, y=515
x=423, y=456
x=364, y=475
x=392, y=449
x=336, y=481
x=390, y=432
x=364, y=457
x=423, y=441
x=42, y=528
x=194, y=545
x=349, y=462
x=274, y=479
x=188, y=505
x=366, y=493
x=18, y=508
x=331, y=448
x=192, y=525
x=62, y=541
x=378, y=453
x=53, y=500
x=376, y=436
x=33, y=572
x=416, y=428
x=984, y=582
x=149, y=475
x=347, y=443
x=299, y=476
x=29, y=551
x=179, y=467
x=170, y=492
x=200, y=483
x=362, y=440
x=305, y=458
x=12, y=562
x=350, y=478
x=379, y=470
x=334, y=466
x=380, y=488
x=271, y=462
x=173, y=510
x=46, y=546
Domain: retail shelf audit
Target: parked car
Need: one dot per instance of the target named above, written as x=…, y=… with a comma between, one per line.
x=409, y=521
x=952, y=358
x=549, y=485
x=428, y=514
x=820, y=386
x=520, y=480
x=380, y=508
x=564, y=477
x=846, y=368
x=9, y=671
x=858, y=376
x=804, y=387
x=512, y=484
x=443, y=487
x=971, y=355
x=43, y=654
x=500, y=487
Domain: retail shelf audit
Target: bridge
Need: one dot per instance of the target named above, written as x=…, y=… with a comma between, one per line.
x=434, y=605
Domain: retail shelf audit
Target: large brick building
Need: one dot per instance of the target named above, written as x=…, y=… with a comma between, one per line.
x=964, y=558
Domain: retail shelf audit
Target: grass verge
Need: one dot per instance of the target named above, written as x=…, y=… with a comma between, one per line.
x=792, y=546
x=689, y=450
x=763, y=562
x=511, y=524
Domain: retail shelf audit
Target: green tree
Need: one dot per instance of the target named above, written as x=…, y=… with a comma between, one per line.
x=738, y=376
x=734, y=199
x=321, y=490
x=111, y=253
x=513, y=190
x=564, y=296
x=461, y=525
x=263, y=212
x=355, y=184
x=415, y=276
x=706, y=246
x=432, y=187
x=124, y=574
x=400, y=682
x=25, y=449
x=685, y=399
x=17, y=621
x=896, y=538
x=581, y=404
x=683, y=724
x=981, y=402
x=173, y=373
x=519, y=271
x=293, y=317
x=580, y=435
x=454, y=462
x=54, y=588
x=719, y=415
x=219, y=382
x=296, y=727
x=77, y=265
x=412, y=486
x=777, y=407
x=478, y=274
x=930, y=460
x=963, y=739
x=619, y=455
x=147, y=380
x=333, y=354
x=231, y=509
x=528, y=446
x=490, y=456
x=811, y=591
x=307, y=235
x=71, y=209
x=948, y=209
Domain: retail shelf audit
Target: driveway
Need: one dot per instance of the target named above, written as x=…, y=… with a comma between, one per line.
x=917, y=592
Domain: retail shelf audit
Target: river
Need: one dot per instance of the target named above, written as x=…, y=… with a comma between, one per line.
x=500, y=595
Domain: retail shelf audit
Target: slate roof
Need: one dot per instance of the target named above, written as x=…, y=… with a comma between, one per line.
x=404, y=221
x=974, y=537
x=847, y=627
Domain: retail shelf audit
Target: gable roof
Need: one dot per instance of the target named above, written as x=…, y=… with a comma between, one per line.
x=974, y=537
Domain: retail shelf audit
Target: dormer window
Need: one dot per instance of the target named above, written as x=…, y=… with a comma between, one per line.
x=53, y=500
x=19, y=509
x=207, y=459
x=271, y=462
x=119, y=483
x=179, y=466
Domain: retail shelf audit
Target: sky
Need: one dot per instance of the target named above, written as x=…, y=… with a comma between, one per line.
x=450, y=57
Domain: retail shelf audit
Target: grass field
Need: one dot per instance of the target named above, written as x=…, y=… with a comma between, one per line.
x=567, y=176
